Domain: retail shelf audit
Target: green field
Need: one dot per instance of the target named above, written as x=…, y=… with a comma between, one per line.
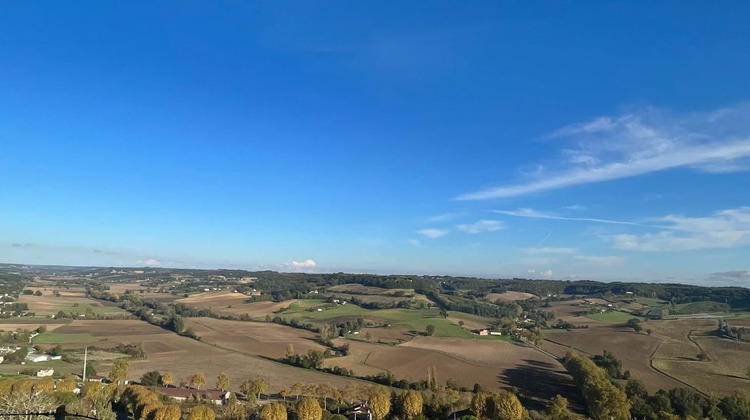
x=614, y=317
x=98, y=310
x=52, y=338
x=403, y=319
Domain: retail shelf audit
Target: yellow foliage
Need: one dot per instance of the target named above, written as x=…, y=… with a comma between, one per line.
x=309, y=409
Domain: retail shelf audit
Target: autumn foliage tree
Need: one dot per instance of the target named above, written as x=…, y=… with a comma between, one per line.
x=222, y=382
x=274, y=411
x=604, y=400
x=411, y=404
x=202, y=412
x=380, y=405
x=309, y=409
x=198, y=380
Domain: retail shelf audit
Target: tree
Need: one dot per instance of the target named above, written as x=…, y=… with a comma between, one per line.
x=296, y=389
x=380, y=405
x=152, y=378
x=702, y=356
x=432, y=381
x=429, y=330
x=637, y=328
x=309, y=409
x=202, y=412
x=479, y=405
x=460, y=323
x=167, y=379
x=274, y=411
x=368, y=336
x=119, y=372
x=635, y=388
x=443, y=313
x=260, y=385
x=44, y=385
x=506, y=406
x=198, y=380
x=649, y=331
x=67, y=385
x=55, y=351
x=411, y=404
x=290, y=352
x=38, y=293
x=222, y=382
x=557, y=409
x=168, y=412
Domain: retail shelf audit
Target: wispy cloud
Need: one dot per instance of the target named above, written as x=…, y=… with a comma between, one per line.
x=535, y=214
x=639, y=143
x=445, y=217
x=482, y=226
x=724, y=229
x=432, y=233
x=575, y=207
x=549, y=250
x=414, y=242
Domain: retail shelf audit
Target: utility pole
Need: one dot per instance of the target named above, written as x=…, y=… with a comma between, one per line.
x=85, y=356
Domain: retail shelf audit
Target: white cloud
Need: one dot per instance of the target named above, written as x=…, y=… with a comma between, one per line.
x=414, y=242
x=724, y=229
x=638, y=143
x=151, y=262
x=432, y=233
x=575, y=207
x=482, y=226
x=604, y=261
x=549, y=250
x=304, y=264
x=546, y=274
x=535, y=214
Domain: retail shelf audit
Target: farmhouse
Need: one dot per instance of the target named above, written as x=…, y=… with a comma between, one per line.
x=214, y=396
x=360, y=412
x=45, y=372
x=41, y=357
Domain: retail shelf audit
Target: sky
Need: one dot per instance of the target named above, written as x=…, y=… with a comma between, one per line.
x=565, y=140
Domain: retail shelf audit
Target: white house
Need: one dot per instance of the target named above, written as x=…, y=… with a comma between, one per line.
x=45, y=372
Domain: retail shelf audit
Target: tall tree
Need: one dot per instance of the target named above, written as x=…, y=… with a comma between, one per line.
x=222, y=382
x=198, y=380
x=273, y=411
x=167, y=379
x=479, y=405
x=119, y=372
x=411, y=404
x=505, y=405
x=309, y=409
x=380, y=405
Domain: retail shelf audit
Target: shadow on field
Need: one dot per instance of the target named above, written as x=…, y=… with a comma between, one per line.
x=538, y=381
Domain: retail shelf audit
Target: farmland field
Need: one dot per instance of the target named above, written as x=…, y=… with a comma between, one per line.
x=231, y=303
x=182, y=356
x=508, y=296
x=48, y=304
x=259, y=338
x=632, y=348
x=726, y=367
x=613, y=317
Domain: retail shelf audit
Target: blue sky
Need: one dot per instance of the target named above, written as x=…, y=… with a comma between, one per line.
x=603, y=140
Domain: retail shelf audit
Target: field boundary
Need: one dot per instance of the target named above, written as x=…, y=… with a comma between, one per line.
x=651, y=363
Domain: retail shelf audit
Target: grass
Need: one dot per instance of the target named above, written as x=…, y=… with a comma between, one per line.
x=615, y=317
x=404, y=319
x=98, y=310
x=52, y=338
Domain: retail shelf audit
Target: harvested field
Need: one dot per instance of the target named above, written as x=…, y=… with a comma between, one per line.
x=15, y=325
x=493, y=364
x=230, y=303
x=357, y=289
x=684, y=339
x=632, y=348
x=182, y=356
x=258, y=338
x=48, y=304
x=508, y=296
